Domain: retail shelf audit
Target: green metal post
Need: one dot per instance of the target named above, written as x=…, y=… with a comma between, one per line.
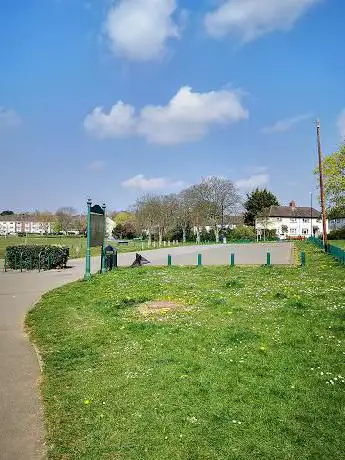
x=103, y=261
x=303, y=259
x=15, y=261
x=48, y=264
x=169, y=260
x=232, y=259
x=5, y=262
x=199, y=260
x=87, y=274
x=21, y=262
x=268, y=259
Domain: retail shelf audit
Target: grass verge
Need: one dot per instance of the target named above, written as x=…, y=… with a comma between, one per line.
x=250, y=366
x=339, y=243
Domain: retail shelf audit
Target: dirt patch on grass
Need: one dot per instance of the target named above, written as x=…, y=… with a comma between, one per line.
x=158, y=307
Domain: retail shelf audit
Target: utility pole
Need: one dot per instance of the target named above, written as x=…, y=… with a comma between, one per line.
x=311, y=214
x=322, y=190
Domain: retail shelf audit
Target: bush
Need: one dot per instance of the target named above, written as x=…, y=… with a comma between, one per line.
x=207, y=236
x=338, y=234
x=35, y=256
x=241, y=233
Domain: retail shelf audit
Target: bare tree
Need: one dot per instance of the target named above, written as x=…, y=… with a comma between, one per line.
x=212, y=200
x=146, y=214
x=64, y=218
x=183, y=213
x=197, y=208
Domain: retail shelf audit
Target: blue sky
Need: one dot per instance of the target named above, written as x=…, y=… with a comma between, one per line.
x=111, y=99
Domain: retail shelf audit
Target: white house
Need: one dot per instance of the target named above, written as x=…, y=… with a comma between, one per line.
x=109, y=227
x=10, y=225
x=290, y=221
x=336, y=224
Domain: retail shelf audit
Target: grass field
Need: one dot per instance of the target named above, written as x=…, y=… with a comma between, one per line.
x=77, y=245
x=339, y=243
x=250, y=365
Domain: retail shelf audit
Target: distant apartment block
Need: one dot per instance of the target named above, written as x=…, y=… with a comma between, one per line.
x=11, y=225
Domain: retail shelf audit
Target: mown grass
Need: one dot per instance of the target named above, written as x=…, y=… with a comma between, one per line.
x=339, y=243
x=251, y=368
x=76, y=244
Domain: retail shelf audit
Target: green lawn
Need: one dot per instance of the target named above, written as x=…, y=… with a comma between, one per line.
x=339, y=243
x=77, y=245
x=251, y=366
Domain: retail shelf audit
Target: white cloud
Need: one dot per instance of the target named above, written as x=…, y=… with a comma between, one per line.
x=256, y=180
x=155, y=183
x=187, y=117
x=9, y=117
x=286, y=124
x=120, y=121
x=250, y=19
x=97, y=165
x=139, y=29
x=256, y=169
x=341, y=124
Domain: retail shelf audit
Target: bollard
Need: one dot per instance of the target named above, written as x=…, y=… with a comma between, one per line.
x=5, y=262
x=268, y=259
x=232, y=259
x=199, y=260
x=303, y=259
x=48, y=264
x=169, y=260
x=15, y=261
x=21, y=262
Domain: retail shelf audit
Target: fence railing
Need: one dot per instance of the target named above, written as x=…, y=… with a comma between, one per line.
x=330, y=249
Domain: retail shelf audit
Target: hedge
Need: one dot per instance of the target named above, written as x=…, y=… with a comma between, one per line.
x=30, y=257
x=338, y=234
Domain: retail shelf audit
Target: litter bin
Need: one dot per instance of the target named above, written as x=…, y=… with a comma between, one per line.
x=110, y=258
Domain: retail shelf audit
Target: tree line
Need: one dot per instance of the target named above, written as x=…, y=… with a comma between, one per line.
x=215, y=203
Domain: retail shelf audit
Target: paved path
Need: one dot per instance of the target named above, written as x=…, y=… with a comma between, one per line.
x=21, y=425
x=245, y=254
x=21, y=421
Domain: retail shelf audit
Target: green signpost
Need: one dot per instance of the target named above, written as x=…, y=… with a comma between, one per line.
x=96, y=229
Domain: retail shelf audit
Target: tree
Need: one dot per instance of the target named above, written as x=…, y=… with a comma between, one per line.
x=183, y=213
x=124, y=217
x=334, y=180
x=64, y=219
x=256, y=202
x=212, y=200
x=145, y=211
x=7, y=213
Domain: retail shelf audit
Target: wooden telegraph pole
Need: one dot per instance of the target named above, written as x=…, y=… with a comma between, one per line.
x=322, y=189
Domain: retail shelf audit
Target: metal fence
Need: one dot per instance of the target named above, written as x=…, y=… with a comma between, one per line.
x=330, y=249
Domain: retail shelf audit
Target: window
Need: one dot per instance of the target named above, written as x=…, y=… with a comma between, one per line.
x=306, y=220
x=293, y=231
x=305, y=231
x=293, y=219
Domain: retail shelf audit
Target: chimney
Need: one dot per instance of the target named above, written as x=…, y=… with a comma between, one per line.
x=292, y=205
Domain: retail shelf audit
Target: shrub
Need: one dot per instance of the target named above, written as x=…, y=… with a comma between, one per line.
x=206, y=236
x=338, y=234
x=242, y=232
x=35, y=256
